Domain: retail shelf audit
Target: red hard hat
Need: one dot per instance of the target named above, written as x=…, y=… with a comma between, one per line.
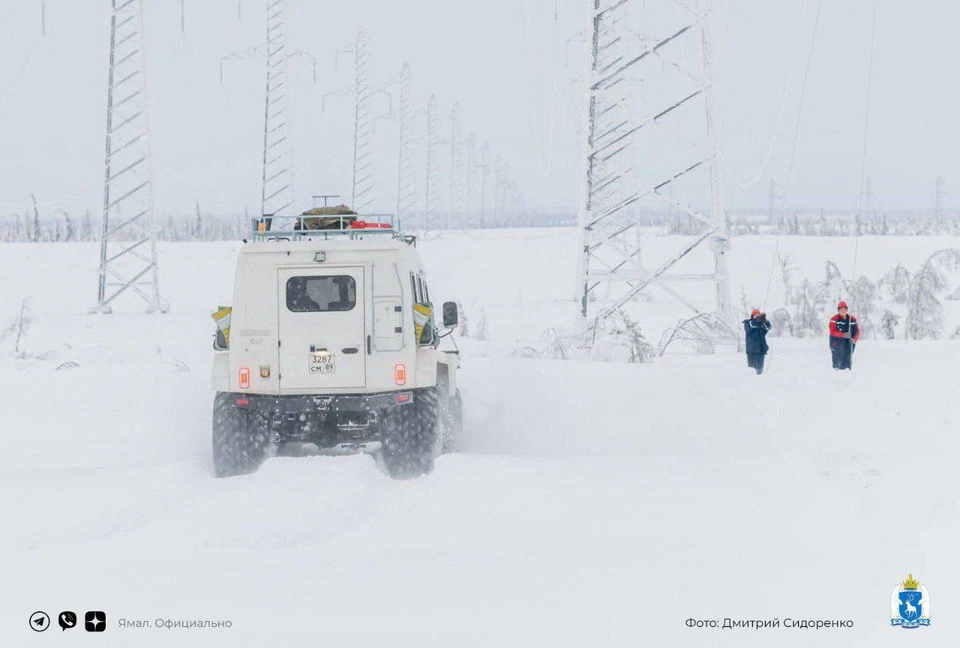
x=755, y=312
x=842, y=304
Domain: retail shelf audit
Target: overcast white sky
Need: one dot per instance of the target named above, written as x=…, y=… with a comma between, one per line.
x=505, y=61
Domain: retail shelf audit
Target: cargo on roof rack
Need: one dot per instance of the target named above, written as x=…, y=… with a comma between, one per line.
x=325, y=223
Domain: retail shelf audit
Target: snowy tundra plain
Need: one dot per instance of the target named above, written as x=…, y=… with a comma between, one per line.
x=596, y=504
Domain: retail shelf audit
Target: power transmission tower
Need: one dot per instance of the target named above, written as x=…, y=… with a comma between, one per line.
x=363, y=182
x=364, y=176
x=433, y=162
x=128, y=247
x=277, y=186
x=406, y=174
x=484, y=168
x=470, y=173
x=277, y=180
x=456, y=164
x=668, y=118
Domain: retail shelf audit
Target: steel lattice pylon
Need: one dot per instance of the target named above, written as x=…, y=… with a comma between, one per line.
x=363, y=180
x=484, y=167
x=407, y=174
x=277, y=192
x=650, y=145
x=277, y=188
x=469, y=185
x=433, y=163
x=456, y=165
x=128, y=247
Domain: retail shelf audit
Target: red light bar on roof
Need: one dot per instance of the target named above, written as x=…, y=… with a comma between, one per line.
x=359, y=224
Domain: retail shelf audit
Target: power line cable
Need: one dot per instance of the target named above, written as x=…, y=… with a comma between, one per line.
x=793, y=147
x=780, y=113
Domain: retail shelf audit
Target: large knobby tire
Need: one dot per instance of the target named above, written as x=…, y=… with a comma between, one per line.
x=410, y=434
x=240, y=439
x=451, y=420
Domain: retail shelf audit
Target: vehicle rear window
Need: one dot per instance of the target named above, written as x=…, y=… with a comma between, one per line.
x=326, y=294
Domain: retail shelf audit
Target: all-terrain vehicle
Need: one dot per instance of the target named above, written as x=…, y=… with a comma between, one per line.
x=331, y=340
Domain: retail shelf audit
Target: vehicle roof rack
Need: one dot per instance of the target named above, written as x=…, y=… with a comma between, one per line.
x=314, y=227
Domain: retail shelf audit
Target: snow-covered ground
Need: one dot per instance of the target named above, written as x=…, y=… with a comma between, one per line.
x=596, y=505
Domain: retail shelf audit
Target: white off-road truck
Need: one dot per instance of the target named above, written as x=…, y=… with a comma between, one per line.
x=332, y=342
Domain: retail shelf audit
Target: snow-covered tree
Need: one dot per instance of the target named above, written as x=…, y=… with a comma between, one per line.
x=482, y=329
x=463, y=325
x=924, y=310
x=87, y=233
x=786, y=276
x=810, y=304
x=895, y=283
x=70, y=233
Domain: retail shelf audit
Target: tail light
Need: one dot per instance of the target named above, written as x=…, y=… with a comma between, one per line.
x=404, y=397
x=244, y=377
x=400, y=374
x=243, y=402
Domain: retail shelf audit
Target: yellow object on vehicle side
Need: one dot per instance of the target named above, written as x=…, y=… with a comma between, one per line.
x=222, y=318
x=423, y=323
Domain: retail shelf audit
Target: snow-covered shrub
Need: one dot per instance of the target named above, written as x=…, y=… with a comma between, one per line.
x=832, y=272
x=554, y=347
x=888, y=324
x=924, y=310
x=17, y=328
x=700, y=332
x=781, y=323
x=617, y=338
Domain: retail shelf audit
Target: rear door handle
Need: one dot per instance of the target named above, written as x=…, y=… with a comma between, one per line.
x=351, y=350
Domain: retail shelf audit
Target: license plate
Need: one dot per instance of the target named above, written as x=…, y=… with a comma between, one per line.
x=322, y=362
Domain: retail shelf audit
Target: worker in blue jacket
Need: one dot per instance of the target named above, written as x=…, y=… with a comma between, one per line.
x=756, y=329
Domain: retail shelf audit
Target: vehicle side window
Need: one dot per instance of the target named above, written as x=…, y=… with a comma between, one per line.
x=326, y=294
